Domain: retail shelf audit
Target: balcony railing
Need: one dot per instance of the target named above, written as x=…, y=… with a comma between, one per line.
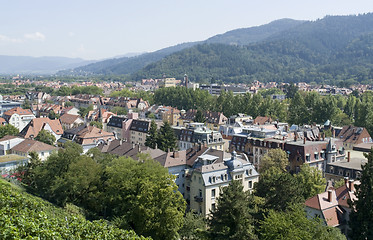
x=198, y=199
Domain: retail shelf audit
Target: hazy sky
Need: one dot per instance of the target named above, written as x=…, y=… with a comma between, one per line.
x=93, y=29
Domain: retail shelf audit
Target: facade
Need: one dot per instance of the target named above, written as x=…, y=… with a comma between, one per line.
x=37, y=124
x=7, y=105
x=28, y=145
x=351, y=136
x=70, y=121
x=205, y=181
x=198, y=133
x=138, y=131
x=19, y=117
x=8, y=142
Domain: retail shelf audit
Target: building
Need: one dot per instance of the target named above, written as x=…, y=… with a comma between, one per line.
x=87, y=136
x=10, y=162
x=28, y=145
x=351, y=136
x=197, y=133
x=70, y=121
x=8, y=142
x=170, y=115
x=7, y=105
x=138, y=131
x=18, y=117
x=37, y=124
x=205, y=181
x=332, y=206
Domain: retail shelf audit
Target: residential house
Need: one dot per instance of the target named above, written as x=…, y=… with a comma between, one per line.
x=70, y=110
x=170, y=115
x=332, y=206
x=19, y=117
x=213, y=120
x=205, y=181
x=197, y=133
x=138, y=131
x=8, y=142
x=87, y=136
x=70, y=121
x=28, y=145
x=351, y=136
x=37, y=124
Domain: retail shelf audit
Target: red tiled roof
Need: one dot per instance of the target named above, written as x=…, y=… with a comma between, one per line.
x=35, y=125
x=19, y=111
x=29, y=145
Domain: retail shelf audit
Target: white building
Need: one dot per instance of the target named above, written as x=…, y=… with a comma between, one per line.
x=19, y=117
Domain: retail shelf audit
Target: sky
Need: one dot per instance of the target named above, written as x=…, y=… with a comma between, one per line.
x=93, y=29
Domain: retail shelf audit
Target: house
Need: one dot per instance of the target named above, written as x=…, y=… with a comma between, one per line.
x=138, y=131
x=332, y=206
x=198, y=133
x=70, y=121
x=28, y=145
x=18, y=117
x=170, y=115
x=10, y=162
x=8, y=142
x=213, y=120
x=37, y=124
x=204, y=183
x=87, y=136
x=351, y=136
x=7, y=105
x=70, y=110
x=262, y=120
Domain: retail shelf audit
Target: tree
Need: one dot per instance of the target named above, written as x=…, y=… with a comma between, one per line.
x=290, y=90
x=279, y=189
x=166, y=138
x=293, y=224
x=83, y=111
x=277, y=158
x=46, y=137
x=148, y=200
x=119, y=110
x=96, y=124
x=231, y=219
x=361, y=216
x=52, y=115
x=199, y=117
x=152, y=137
x=8, y=130
x=194, y=227
x=311, y=180
x=26, y=104
x=297, y=110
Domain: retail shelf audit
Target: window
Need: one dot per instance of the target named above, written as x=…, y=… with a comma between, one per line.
x=213, y=207
x=213, y=192
x=200, y=193
x=308, y=158
x=250, y=184
x=316, y=155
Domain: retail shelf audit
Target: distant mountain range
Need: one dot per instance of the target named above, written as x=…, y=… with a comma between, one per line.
x=38, y=65
x=335, y=49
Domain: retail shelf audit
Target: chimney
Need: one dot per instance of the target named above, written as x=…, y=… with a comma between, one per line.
x=176, y=154
x=330, y=195
x=346, y=180
x=133, y=145
x=351, y=185
x=348, y=156
x=156, y=146
x=304, y=140
x=120, y=142
x=333, y=133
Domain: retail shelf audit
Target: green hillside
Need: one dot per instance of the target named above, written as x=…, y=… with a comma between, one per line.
x=23, y=216
x=330, y=50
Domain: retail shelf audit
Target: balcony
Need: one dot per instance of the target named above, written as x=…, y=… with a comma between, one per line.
x=198, y=199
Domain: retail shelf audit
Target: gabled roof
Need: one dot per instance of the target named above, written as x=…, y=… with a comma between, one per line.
x=351, y=133
x=19, y=111
x=29, y=145
x=69, y=118
x=8, y=137
x=33, y=128
x=172, y=159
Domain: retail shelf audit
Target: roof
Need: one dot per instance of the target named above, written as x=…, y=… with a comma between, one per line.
x=8, y=137
x=11, y=158
x=172, y=159
x=68, y=118
x=29, y=145
x=351, y=134
x=33, y=128
x=140, y=126
x=19, y=111
x=262, y=120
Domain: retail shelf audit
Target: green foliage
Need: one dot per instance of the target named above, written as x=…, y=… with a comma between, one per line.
x=361, y=216
x=23, y=216
x=69, y=104
x=26, y=104
x=119, y=110
x=277, y=158
x=83, y=111
x=166, y=138
x=231, y=219
x=96, y=124
x=311, y=180
x=280, y=190
x=152, y=137
x=138, y=195
x=8, y=130
x=52, y=115
x=200, y=117
x=194, y=227
x=293, y=224
x=46, y=137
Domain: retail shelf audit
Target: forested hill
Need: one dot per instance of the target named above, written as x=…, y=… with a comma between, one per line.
x=333, y=49
x=241, y=36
